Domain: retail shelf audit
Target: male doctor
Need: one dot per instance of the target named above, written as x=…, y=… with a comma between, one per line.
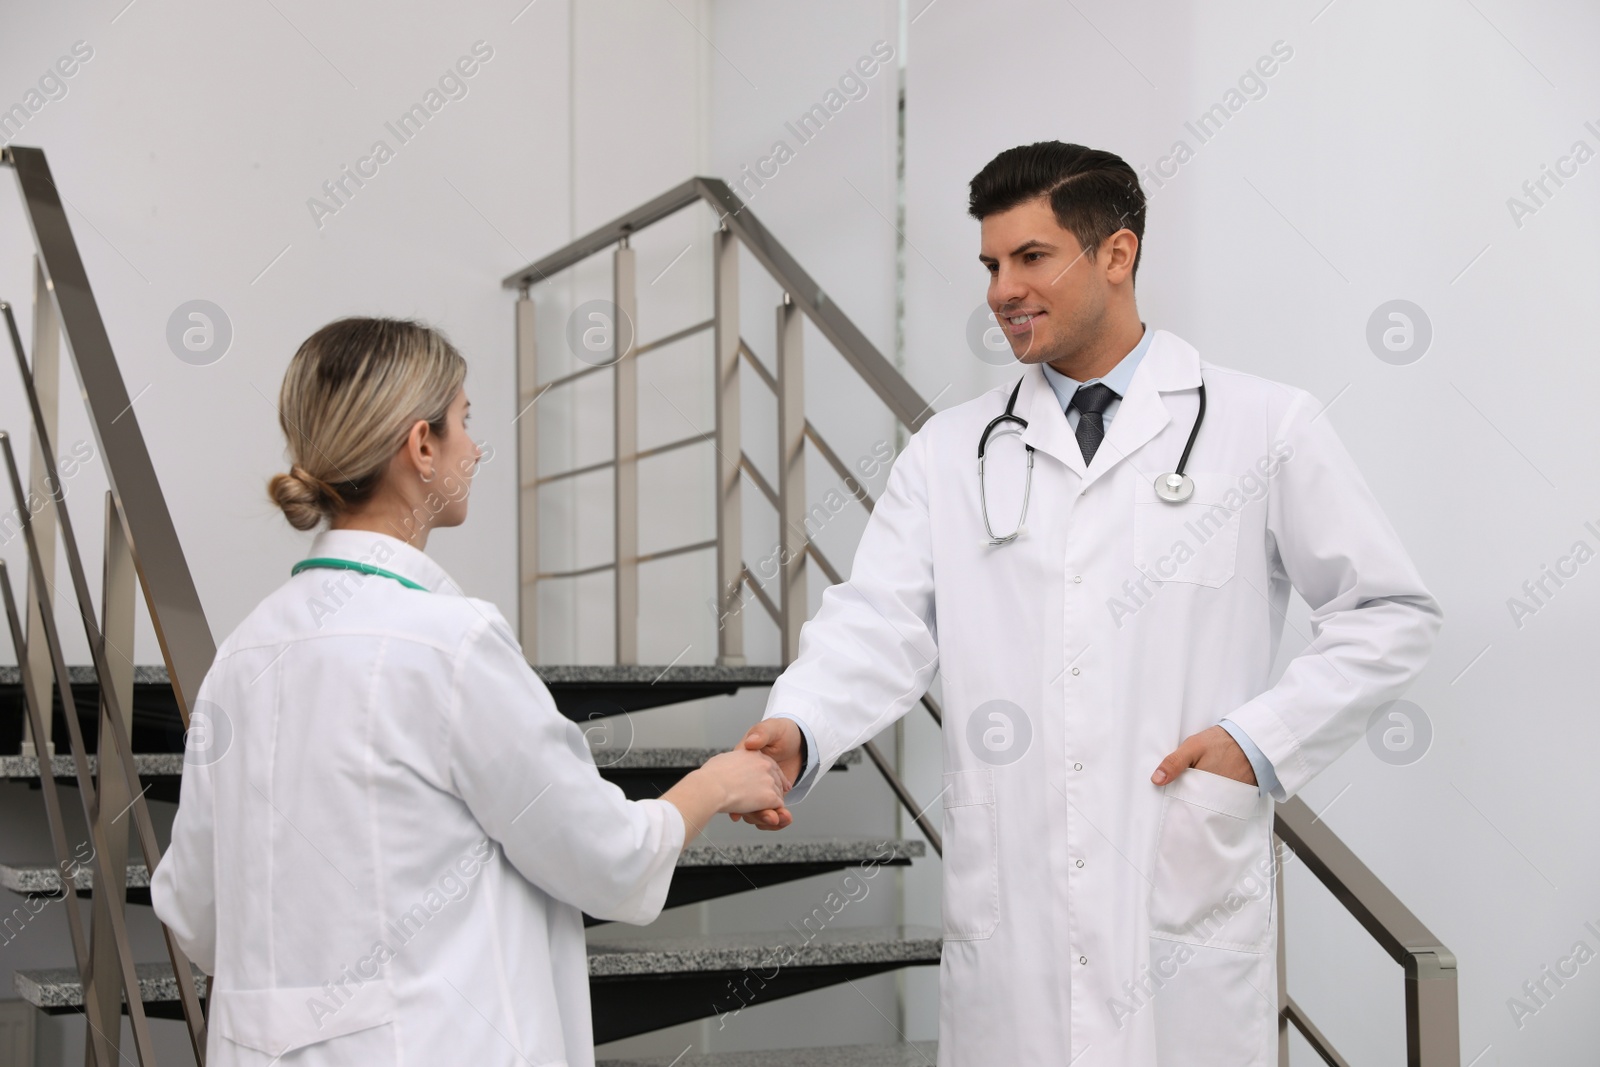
x=1112, y=746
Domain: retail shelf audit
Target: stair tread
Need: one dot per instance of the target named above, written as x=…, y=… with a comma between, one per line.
x=41, y=877
x=170, y=764
x=772, y=848
x=578, y=673
x=906, y=1054
x=550, y=673
x=641, y=757
x=60, y=988
x=84, y=674
x=148, y=764
x=632, y=952
x=610, y=954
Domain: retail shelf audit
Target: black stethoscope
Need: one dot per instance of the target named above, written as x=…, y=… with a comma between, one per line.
x=1173, y=488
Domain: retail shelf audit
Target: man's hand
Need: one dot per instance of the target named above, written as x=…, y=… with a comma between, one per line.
x=1212, y=749
x=780, y=739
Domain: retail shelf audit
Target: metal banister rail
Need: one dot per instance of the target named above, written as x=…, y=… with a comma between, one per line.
x=187, y=645
x=896, y=393
x=141, y=541
x=1432, y=1012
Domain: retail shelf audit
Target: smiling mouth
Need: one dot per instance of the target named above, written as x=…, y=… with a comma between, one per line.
x=1020, y=323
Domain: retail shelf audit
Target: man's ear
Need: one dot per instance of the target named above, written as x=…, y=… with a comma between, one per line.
x=1118, y=252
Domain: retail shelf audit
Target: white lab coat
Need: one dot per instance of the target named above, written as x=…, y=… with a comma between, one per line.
x=386, y=832
x=1091, y=917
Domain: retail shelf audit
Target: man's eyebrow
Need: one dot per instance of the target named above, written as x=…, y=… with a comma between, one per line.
x=1025, y=246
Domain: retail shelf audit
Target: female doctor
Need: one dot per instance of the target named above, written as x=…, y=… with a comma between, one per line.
x=383, y=852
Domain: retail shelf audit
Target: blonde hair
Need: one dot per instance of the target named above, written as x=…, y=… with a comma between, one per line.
x=349, y=398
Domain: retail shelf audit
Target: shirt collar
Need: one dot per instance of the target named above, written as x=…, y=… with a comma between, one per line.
x=1117, y=379
x=387, y=552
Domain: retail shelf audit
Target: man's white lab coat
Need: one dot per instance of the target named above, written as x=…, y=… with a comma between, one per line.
x=1091, y=917
x=387, y=832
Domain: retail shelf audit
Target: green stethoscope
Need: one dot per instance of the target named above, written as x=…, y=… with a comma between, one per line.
x=332, y=563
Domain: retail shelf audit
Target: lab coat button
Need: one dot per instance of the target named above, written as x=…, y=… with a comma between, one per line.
x=1077, y=579
x=1083, y=959
x=1080, y=863
x=1077, y=766
x=1074, y=670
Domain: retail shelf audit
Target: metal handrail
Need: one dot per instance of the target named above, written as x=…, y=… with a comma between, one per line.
x=896, y=393
x=187, y=645
x=65, y=306
x=1432, y=1023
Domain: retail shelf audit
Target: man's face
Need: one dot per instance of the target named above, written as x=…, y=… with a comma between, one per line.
x=1044, y=291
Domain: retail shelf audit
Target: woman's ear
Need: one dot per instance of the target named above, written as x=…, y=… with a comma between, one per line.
x=421, y=447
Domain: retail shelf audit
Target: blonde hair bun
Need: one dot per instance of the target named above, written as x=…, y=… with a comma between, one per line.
x=301, y=500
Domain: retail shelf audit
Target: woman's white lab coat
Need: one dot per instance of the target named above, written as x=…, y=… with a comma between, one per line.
x=387, y=832
x=1091, y=917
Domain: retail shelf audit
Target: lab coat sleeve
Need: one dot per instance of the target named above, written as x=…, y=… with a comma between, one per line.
x=1373, y=623
x=183, y=889
x=872, y=649
x=525, y=772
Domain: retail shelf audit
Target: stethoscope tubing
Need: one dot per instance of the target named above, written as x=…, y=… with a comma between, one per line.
x=1010, y=416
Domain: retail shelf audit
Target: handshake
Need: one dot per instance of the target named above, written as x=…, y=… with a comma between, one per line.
x=747, y=783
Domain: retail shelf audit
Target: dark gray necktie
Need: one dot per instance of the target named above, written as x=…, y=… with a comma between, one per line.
x=1091, y=402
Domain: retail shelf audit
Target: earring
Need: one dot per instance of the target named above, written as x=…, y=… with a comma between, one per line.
x=429, y=478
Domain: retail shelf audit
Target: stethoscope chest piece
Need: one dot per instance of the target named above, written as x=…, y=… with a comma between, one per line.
x=1174, y=488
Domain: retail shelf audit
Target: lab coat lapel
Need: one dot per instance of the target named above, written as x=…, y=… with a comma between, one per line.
x=1170, y=365
x=1047, y=430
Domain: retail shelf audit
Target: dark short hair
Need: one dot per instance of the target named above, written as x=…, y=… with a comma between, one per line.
x=1093, y=193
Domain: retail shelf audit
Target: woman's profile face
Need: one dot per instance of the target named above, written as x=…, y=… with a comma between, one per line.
x=458, y=462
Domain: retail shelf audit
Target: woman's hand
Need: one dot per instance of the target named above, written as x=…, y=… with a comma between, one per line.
x=743, y=780
x=751, y=780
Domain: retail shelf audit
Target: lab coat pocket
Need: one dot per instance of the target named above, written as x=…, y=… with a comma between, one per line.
x=971, y=856
x=279, y=1021
x=1213, y=881
x=1195, y=542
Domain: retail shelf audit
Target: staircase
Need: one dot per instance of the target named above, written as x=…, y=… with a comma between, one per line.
x=640, y=980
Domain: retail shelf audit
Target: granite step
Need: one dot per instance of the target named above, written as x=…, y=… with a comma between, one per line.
x=58, y=991
x=643, y=772
x=641, y=981
x=589, y=691
x=638, y=982
x=706, y=869
x=581, y=691
x=907, y=1054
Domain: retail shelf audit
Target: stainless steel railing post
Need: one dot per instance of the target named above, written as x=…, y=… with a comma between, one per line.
x=792, y=536
x=111, y=789
x=46, y=361
x=625, y=430
x=527, y=475
x=730, y=520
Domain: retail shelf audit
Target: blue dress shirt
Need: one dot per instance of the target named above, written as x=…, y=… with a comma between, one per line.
x=1117, y=380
